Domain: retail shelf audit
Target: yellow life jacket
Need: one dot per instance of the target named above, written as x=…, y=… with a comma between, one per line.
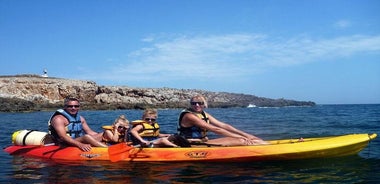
x=149, y=130
x=107, y=127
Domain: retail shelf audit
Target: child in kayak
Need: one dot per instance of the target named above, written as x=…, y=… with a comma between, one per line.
x=117, y=132
x=146, y=132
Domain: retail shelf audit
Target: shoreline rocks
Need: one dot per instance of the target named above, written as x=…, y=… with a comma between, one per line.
x=36, y=93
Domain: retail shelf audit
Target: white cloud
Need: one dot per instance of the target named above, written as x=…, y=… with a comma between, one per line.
x=233, y=55
x=147, y=39
x=341, y=24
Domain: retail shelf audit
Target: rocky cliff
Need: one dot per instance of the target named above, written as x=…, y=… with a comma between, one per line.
x=33, y=92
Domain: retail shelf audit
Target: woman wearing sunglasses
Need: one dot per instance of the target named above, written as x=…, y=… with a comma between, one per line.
x=194, y=123
x=146, y=132
x=117, y=132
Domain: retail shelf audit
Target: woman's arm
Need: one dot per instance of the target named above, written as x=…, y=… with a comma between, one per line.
x=196, y=121
x=230, y=128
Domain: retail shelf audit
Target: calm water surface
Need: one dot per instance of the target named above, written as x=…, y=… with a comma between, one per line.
x=268, y=123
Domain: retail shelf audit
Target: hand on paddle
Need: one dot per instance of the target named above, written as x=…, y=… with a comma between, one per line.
x=144, y=142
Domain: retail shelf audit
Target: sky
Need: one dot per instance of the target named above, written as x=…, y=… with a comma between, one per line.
x=325, y=51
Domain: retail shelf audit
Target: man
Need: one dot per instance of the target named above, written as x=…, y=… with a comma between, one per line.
x=69, y=128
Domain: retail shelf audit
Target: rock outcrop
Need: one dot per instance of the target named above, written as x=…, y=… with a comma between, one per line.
x=33, y=92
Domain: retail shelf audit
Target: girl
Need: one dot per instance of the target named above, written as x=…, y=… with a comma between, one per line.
x=117, y=132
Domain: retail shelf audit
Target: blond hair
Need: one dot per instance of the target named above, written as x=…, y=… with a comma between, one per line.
x=199, y=98
x=150, y=112
x=121, y=118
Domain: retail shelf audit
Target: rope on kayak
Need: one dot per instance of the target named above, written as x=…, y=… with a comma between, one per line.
x=31, y=137
x=370, y=138
x=25, y=136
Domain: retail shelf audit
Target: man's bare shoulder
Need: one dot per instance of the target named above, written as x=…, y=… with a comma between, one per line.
x=59, y=119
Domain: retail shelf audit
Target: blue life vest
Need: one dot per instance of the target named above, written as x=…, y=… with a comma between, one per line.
x=73, y=129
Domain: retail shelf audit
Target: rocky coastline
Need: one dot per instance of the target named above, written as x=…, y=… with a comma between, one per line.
x=20, y=93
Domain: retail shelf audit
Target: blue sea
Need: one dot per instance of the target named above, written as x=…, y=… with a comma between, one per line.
x=267, y=123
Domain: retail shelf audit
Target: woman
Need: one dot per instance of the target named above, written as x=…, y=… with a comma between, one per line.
x=194, y=123
x=146, y=132
x=117, y=132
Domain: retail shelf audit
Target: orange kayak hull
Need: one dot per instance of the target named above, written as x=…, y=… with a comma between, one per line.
x=289, y=149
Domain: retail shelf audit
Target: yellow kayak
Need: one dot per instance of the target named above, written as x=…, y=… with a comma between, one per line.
x=320, y=147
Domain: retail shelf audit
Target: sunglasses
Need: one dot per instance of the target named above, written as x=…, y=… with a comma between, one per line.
x=72, y=106
x=150, y=119
x=121, y=127
x=195, y=103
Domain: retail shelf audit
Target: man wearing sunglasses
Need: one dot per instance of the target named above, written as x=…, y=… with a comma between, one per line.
x=194, y=123
x=69, y=128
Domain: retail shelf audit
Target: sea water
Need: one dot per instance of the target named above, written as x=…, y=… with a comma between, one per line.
x=267, y=123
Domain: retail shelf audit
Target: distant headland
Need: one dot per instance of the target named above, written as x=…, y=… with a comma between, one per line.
x=28, y=92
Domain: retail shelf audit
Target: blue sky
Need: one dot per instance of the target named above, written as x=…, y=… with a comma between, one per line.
x=326, y=51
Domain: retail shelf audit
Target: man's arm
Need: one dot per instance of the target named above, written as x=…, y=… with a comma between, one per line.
x=87, y=128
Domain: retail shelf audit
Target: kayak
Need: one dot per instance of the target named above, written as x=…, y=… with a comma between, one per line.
x=287, y=149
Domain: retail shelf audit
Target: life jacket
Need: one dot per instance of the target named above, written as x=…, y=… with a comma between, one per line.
x=73, y=129
x=192, y=132
x=149, y=133
x=110, y=142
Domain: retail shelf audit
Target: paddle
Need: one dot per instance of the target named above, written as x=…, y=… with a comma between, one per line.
x=119, y=151
x=206, y=144
x=184, y=143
